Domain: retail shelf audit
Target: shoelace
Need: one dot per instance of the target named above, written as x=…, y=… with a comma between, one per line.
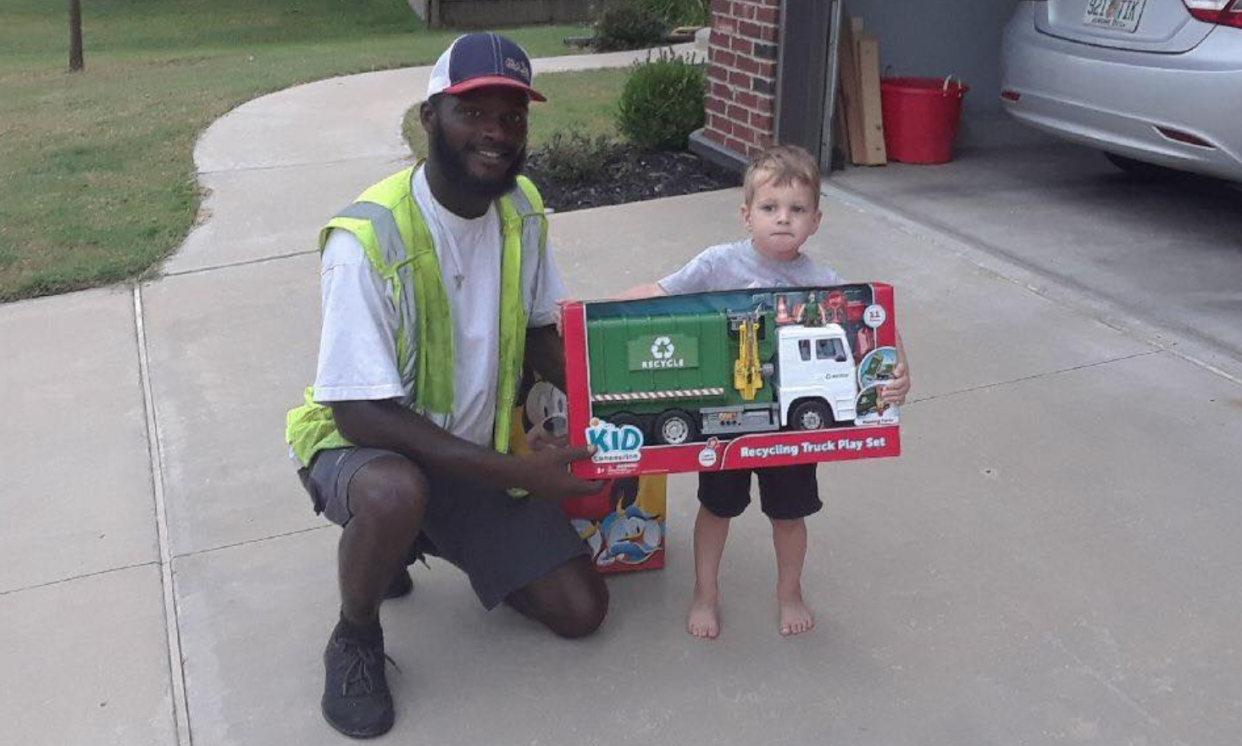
x=362, y=660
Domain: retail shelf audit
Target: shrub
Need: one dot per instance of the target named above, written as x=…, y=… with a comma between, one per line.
x=572, y=156
x=680, y=12
x=662, y=102
x=627, y=27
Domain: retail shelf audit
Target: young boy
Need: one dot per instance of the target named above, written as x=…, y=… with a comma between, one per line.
x=781, y=212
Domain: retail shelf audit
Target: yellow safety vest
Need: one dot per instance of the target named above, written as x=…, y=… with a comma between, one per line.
x=393, y=233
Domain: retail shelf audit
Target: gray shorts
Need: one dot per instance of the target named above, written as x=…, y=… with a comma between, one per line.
x=503, y=544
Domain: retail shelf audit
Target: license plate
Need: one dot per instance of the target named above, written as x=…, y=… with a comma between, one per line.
x=1122, y=15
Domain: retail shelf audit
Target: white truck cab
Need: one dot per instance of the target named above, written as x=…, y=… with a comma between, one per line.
x=816, y=384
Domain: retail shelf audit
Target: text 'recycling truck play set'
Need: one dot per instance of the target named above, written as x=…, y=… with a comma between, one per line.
x=728, y=380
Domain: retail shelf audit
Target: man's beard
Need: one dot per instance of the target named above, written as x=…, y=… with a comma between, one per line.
x=452, y=164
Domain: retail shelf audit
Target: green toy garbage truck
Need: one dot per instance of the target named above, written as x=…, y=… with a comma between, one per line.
x=681, y=378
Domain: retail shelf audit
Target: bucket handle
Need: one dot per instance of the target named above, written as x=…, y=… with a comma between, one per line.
x=960, y=85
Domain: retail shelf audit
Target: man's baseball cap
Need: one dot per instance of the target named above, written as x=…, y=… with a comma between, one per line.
x=481, y=60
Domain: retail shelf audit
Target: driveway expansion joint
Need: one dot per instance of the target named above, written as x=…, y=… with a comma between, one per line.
x=249, y=542
x=82, y=576
x=180, y=702
x=1038, y=376
x=240, y=263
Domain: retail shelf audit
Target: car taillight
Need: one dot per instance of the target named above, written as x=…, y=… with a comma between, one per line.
x=1220, y=12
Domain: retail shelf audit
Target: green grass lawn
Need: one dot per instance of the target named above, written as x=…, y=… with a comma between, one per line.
x=583, y=101
x=96, y=169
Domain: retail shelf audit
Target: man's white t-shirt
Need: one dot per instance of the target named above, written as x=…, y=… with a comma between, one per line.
x=357, y=347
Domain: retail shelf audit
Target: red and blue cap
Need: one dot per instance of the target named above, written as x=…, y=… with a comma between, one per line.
x=482, y=60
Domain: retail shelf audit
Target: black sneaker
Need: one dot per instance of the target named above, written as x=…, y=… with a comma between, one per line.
x=401, y=585
x=356, y=700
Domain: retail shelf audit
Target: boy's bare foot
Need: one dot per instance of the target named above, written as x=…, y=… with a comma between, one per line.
x=796, y=616
x=703, y=621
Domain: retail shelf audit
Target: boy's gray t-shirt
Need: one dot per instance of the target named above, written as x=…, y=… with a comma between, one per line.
x=738, y=266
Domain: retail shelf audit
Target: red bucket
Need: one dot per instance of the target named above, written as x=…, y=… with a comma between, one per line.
x=921, y=116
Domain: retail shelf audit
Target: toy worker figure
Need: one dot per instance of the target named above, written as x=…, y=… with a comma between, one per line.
x=437, y=286
x=813, y=312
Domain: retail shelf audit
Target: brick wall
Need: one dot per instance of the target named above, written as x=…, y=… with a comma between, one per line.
x=741, y=73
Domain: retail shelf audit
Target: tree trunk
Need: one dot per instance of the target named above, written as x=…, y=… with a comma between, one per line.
x=76, y=64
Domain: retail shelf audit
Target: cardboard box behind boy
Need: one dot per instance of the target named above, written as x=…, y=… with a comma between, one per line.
x=623, y=525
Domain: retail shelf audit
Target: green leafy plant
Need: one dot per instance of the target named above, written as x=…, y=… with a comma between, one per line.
x=662, y=102
x=627, y=27
x=680, y=12
x=573, y=155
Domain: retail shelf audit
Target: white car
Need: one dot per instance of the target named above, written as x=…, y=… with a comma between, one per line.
x=1149, y=82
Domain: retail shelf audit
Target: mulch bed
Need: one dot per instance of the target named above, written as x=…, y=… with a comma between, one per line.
x=631, y=175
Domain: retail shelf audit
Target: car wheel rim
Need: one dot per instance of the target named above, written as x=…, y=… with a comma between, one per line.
x=812, y=421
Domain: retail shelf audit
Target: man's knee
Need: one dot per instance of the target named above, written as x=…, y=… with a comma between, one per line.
x=580, y=603
x=391, y=492
x=587, y=617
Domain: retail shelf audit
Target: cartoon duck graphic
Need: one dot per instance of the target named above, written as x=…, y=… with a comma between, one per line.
x=630, y=534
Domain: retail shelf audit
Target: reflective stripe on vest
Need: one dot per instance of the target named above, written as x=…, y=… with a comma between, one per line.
x=389, y=225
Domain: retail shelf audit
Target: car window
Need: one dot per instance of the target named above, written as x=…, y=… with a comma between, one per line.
x=804, y=348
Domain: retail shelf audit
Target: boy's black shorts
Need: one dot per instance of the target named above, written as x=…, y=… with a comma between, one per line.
x=785, y=492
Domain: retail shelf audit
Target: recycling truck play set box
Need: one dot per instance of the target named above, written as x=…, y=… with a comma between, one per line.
x=729, y=380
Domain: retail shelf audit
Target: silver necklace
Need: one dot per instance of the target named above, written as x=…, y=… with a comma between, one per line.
x=450, y=243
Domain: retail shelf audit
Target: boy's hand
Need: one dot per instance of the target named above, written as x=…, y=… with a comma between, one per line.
x=895, y=391
x=652, y=290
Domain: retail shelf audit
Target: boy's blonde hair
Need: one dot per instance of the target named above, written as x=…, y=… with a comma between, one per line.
x=782, y=165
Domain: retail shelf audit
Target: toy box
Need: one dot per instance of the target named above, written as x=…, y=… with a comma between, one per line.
x=622, y=525
x=728, y=380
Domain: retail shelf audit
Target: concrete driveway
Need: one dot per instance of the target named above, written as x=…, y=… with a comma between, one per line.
x=1164, y=259
x=1053, y=559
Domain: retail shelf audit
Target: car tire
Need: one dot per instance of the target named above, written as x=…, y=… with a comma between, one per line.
x=674, y=428
x=810, y=415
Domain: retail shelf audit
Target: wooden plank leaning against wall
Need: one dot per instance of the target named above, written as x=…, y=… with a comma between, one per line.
x=861, y=115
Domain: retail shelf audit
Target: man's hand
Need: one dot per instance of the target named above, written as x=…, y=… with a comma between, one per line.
x=545, y=473
x=895, y=391
x=549, y=434
x=389, y=425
